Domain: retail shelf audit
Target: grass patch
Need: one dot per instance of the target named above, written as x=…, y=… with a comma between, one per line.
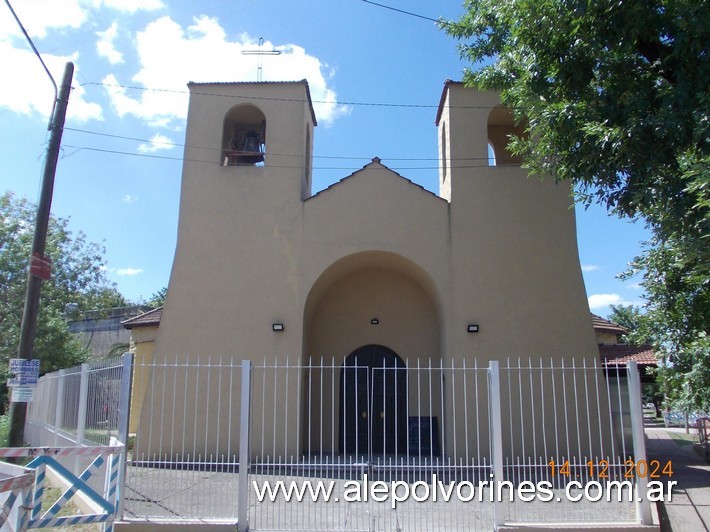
x=682, y=439
x=4, y=429
x=51, y=494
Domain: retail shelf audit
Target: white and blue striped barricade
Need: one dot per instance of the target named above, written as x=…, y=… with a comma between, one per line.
x=18, y=489
x=47, y=457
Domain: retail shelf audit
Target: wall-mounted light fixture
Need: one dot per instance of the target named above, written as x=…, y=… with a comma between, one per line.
x=472, y=328
x=375, y=321
x=277, y=327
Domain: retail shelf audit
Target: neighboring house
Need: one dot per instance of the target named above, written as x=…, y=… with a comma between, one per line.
x=101, y=330
x=614, y=352
x=143, y=330
x=374, y=268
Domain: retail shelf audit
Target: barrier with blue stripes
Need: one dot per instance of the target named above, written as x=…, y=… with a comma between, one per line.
x=44, y=457
x=18, y=489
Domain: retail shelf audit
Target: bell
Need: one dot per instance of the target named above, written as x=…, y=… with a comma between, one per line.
x=251, y=142
x=251, y=149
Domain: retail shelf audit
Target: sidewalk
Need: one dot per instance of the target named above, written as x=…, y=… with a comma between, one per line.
x=689, y=511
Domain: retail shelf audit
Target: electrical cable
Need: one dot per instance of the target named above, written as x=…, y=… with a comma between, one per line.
x=338, y=157
x=294, y=167
x=404, y=12
x=272, y=99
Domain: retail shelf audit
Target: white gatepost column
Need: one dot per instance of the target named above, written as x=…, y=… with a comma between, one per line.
x=496, y=422
x=245, y=408
x=124, y=417
x=643, y=506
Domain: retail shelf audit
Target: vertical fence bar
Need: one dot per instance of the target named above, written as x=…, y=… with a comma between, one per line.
x=643, y=506
x=496, y=438
x=83, y=399
x=59, y=405
x=243, y=498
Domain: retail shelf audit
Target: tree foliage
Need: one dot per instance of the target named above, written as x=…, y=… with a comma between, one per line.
x=158, y=298
x=615, y=99
x=77, y=277
x=631, y=318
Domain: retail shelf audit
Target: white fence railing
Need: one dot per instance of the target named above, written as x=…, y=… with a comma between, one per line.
x=214, y=436
x=79, y=405
x=214, y=433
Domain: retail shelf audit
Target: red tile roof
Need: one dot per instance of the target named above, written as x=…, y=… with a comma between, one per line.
x=620, y=354
x=147, y=319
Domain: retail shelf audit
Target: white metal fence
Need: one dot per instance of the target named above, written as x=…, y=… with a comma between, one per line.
x=413, y=426
x=79, y=405
x=77, y=427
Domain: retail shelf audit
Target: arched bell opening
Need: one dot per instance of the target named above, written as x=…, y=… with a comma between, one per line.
x=244, y=137
x=501, y=127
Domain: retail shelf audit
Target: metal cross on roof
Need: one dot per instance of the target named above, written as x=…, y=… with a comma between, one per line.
x=261, y=53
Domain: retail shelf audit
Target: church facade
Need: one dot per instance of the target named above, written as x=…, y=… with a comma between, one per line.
x=374, y=270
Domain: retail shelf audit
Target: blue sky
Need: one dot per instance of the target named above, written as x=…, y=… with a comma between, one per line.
x=375, y=74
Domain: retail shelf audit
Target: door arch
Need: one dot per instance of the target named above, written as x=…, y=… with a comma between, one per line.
x=373, y=402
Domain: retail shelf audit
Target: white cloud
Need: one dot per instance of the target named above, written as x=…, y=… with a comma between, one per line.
x=40, y=16
x=129, y=199
x=31, y=90
x=105, y=45
x=589, y=267
x=170, y=56
x=158, y=142
x=131, y=6
x=597, y=301
x=128, y=271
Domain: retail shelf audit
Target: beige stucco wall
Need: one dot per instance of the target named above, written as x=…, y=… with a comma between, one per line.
x=496, y=248
x=143, y=347
x=607, y=338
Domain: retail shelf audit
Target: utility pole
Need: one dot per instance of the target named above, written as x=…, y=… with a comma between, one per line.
x=39, y=264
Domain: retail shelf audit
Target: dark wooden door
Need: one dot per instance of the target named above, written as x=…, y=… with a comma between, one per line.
x=373, y=407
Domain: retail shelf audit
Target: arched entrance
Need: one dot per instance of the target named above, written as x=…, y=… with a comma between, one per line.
x=370, y=298
x=373, y=402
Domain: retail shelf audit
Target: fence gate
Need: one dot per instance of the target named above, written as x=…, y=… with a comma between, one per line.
x=378, y=443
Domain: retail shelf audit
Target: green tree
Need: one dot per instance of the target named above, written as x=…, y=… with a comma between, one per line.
x=158, y=298
x=614, y=97
x=634, y=320
x=77, y=277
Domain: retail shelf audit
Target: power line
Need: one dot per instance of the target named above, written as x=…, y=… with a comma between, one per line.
x=296, y=100
x=338, y=157
x=294, y=167
x=36, y=52
x=403, y=11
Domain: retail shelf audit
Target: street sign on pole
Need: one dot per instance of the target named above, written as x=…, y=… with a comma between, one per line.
x=23, y=372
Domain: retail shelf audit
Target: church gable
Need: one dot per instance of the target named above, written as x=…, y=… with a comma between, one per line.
x=372, y=178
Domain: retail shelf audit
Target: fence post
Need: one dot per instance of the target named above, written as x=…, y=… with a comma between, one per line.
x=124, y=416
x=496, y=422
x=83, y=400
x=59, y=406
x=643, y=506
x=243, y=496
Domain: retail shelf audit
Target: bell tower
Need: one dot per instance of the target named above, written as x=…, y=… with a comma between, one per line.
x=474, y=132
x=248, y=131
